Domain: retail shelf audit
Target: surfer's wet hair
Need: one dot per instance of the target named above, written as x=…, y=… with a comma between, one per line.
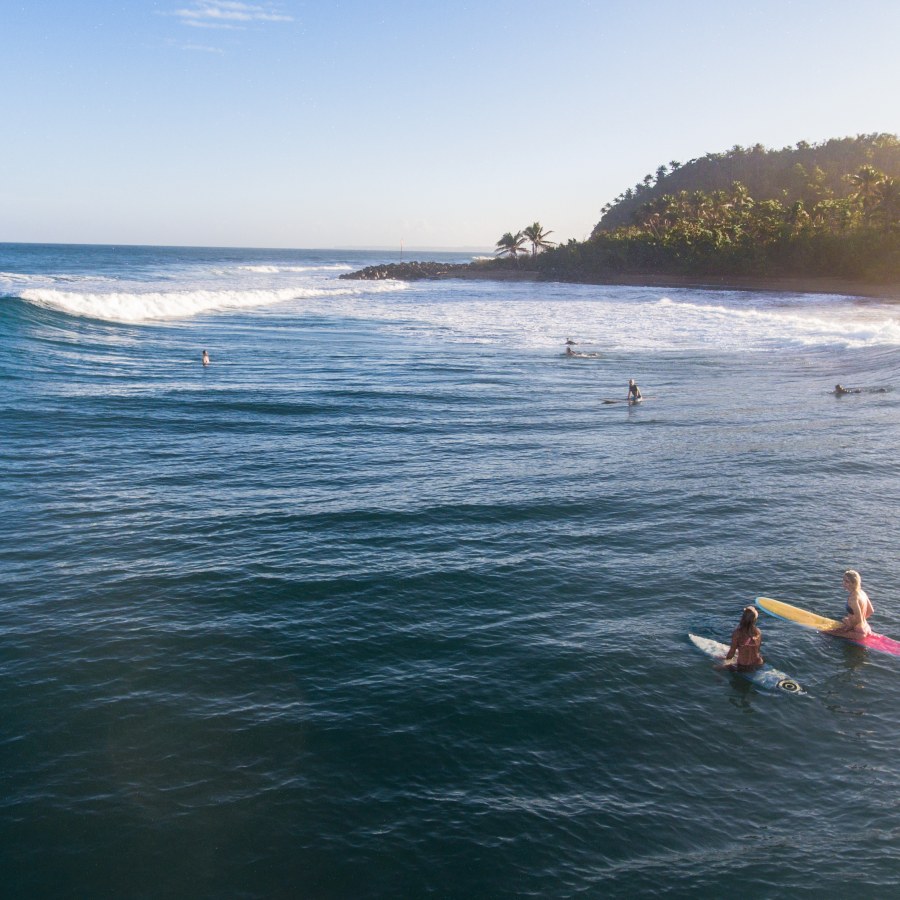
x=854, y=576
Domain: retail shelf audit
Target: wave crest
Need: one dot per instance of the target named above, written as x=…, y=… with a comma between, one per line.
x=158, y=305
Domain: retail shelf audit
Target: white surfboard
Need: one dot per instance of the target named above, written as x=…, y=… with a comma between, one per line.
x=766, y=677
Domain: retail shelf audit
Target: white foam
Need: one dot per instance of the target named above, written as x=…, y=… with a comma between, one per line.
x=157, y=305
x=624, y=319
x=17, y=278
x=274, y=270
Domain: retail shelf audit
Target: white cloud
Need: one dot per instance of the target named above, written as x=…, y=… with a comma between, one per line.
x=227, y=14
x=200, y=48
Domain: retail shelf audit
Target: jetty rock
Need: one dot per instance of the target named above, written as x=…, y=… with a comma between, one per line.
x=416, y=271
x=409, y=271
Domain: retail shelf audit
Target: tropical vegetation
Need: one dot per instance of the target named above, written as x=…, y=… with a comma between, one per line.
x=511, y=245
x=831, y=209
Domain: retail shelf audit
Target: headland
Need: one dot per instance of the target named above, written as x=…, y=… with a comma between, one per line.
x=489, y=270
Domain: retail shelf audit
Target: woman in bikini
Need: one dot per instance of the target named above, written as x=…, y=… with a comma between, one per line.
x=859, y=606
x=746, y=641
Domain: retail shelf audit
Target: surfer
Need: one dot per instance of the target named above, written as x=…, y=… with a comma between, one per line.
x=859, y=606
x=746, y=641
x=569, y=350
x=205, y=358
x=840, y=390
x=634, y=392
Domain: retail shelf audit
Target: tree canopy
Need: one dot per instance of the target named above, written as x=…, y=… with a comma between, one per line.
x=796, y=214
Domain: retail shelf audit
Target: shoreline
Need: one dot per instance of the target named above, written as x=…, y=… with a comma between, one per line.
x=416, y=271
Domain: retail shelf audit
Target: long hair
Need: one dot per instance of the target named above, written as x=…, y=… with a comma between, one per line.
x=747, y=624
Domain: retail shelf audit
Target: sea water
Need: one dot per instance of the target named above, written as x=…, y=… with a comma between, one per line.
x=387, y=602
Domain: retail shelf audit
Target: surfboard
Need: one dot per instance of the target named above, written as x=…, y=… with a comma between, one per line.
x=820, y=623
x=766, y=677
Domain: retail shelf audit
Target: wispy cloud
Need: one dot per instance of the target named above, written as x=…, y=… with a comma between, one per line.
x=197, y=48
x=227, y=14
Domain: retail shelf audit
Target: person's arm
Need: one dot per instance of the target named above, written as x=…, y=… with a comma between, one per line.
x=733, y=648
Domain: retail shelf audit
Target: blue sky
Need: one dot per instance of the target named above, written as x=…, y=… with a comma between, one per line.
x=364, y=124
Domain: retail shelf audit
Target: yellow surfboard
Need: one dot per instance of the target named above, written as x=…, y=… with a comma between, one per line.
x=795, y=614
x=820, y=623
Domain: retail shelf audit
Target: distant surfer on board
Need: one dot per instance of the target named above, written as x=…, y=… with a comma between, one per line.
x=746, y=640
x=859, y=606
x=634, y=392
x=840, y=390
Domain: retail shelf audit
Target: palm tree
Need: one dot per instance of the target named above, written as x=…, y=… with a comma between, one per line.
x=888, y=201
x=511, y=244
x=538, y=237
x=741, y=201
x=866, y=182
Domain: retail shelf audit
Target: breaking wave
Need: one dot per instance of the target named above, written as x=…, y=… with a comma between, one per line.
x=161, y=305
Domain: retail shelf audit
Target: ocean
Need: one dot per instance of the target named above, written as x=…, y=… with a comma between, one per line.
x=388, y=602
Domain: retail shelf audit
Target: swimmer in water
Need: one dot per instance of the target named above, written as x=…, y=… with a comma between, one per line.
x=859, y=607
x=205, y=358
x=634, y=392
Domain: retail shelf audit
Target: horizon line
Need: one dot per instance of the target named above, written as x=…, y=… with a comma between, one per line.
x=377, y=248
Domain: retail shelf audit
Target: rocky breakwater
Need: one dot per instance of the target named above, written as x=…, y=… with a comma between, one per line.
x=495, y=270
x=410, y=271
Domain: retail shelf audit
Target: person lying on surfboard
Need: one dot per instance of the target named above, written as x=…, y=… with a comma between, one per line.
x=840, y=389
x=746, y=640
x=859, y=606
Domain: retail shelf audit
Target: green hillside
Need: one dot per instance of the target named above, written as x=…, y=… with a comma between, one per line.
x=807, y=172
x=831, y=209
